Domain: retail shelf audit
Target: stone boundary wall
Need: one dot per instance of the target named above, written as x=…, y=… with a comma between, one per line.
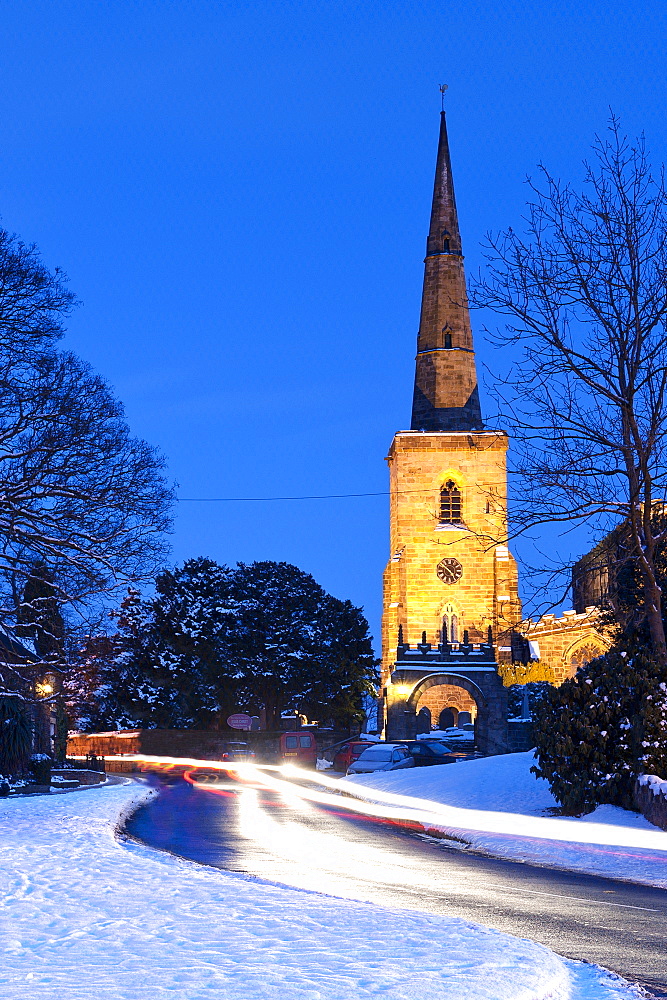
x=199, y=743
x=520, y=735
x=84, y=777
x=651, y=799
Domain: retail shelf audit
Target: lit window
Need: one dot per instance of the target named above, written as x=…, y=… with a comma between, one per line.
x=450, y=504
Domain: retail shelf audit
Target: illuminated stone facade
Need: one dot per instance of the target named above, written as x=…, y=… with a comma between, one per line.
x=486, y=594
x=450, y=576
x=566, y=643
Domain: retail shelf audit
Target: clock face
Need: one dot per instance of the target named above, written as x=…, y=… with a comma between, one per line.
x=449, y=570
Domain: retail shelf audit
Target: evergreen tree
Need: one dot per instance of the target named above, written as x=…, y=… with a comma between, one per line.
x=84, y=687
x=654, y=735
x=105, y=687
x=264, y=638
x=193, y=615
x=167, y=665
x=296, y=647
x=601, y=728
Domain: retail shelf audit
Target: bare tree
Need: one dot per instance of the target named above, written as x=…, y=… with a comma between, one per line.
x=84, y=505
x=78, y=493
x=585, y=293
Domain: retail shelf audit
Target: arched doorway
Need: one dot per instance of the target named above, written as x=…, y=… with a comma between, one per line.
x=444, y=702
x=489, y=700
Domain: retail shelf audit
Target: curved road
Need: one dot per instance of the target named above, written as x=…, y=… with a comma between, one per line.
x=281, y=838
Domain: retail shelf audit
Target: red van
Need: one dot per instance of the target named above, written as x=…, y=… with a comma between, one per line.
x=299, y=748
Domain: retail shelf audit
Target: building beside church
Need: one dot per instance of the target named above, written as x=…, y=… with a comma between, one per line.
x=451, y=585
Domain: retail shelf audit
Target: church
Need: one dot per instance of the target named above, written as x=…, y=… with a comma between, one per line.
x=451, y=607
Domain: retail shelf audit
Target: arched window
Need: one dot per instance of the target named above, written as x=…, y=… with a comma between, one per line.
x=451, y=511
x=450, y=624
x=447, y=337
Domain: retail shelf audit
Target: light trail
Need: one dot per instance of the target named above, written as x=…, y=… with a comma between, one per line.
x=413, y=811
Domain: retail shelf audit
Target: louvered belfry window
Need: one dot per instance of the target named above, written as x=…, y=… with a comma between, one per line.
x=450, y=504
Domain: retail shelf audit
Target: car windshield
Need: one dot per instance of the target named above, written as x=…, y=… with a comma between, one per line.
x=376, y=753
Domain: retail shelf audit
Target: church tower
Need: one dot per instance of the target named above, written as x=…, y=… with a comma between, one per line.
x=450, y=587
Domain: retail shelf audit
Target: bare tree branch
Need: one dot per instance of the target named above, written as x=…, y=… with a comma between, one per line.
x=584, y=292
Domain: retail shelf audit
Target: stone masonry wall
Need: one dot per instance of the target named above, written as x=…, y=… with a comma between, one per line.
x=651, y=799
x=487, y=592
x=566, y=643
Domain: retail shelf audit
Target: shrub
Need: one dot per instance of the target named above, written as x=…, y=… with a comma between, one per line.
x=593, y=732
x=40, y=767
x=15, y=735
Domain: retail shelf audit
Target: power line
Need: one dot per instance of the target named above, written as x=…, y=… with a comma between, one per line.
x=329, y=496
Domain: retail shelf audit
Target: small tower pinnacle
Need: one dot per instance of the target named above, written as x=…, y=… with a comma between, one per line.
x=446, y=397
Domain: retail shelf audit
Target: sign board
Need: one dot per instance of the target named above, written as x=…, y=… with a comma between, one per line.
x=239, y=721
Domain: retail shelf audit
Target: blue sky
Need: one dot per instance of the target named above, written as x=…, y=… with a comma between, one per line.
x=240, y=192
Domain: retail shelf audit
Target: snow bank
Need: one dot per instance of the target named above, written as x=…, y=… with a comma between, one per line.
x=87, y=915
x=497, y=806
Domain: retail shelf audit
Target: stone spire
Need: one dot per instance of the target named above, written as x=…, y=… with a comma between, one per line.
x=446, y=397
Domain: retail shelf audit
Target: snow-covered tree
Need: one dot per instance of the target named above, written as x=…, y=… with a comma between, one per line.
x=654, y=734
x=264, y=638
x=297, y=647
x=167, y=666
x=600, y=729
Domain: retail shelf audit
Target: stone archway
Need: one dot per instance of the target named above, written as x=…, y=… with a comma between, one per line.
x=480, y=680
x=491, y=723
x=447, y=698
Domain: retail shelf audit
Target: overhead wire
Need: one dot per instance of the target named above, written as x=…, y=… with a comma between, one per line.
x=327, y=496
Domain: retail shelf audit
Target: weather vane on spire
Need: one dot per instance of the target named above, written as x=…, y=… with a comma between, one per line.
x=443, y=88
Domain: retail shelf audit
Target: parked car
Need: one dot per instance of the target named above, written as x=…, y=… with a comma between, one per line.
x=236, y=750
x=382, y=757
x=299, y=748
x=425, y=752
x=348, y=753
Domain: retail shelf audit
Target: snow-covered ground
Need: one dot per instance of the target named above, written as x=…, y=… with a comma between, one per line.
x=496, y=805
x=86, y=915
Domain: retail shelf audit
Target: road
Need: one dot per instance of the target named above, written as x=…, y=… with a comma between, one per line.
x=280, y=837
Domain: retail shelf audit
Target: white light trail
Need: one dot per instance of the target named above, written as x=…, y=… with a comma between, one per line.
x=412, y=811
